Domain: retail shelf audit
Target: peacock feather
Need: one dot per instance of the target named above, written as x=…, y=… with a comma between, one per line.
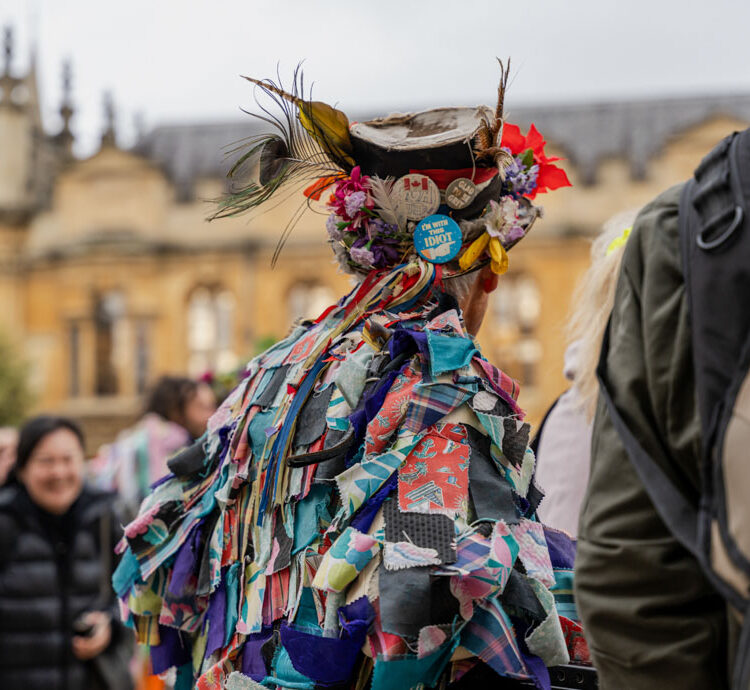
x=308, y=140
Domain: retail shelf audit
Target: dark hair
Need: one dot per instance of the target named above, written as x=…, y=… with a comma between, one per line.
x=35, y=429
x=169, y=396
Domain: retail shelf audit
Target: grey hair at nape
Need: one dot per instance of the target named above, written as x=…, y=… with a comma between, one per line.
x=460, y=286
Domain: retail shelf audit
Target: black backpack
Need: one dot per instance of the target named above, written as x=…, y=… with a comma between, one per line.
x=714, y=219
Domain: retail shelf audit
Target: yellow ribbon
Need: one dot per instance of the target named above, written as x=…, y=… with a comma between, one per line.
x=497, y=252
x=499, y=256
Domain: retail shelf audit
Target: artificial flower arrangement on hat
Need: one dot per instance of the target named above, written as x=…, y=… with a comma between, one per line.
x=361, y=512
x=369, y=230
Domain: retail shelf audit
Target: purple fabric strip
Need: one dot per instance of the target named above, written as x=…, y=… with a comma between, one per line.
x=539, y=672
x=356, y=618
x=362, y=520
x=325, y=660
x=162, y=480
x=562, y=549
x=171, y=651
x=367, y=410
x=216, y=617
x=185, y=563
x=253, y=664
x=330, y=660
x=402, y=339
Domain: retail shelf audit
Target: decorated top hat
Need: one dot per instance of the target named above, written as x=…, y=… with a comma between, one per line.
x=452, y=186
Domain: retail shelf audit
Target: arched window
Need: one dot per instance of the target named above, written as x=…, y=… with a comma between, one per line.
x=516, y=309
x=308, y=300
x=210, y=331
x=109, y=310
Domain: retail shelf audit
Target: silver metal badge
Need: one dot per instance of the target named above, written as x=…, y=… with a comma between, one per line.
x=417, y=195
x=460, y=193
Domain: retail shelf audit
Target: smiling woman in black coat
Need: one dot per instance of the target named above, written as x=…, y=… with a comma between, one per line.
x=57, y=630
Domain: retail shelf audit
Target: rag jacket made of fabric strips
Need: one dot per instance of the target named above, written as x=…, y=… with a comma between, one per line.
x=361, y=509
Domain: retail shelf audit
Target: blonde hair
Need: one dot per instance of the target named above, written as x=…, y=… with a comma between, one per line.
x=592, y=304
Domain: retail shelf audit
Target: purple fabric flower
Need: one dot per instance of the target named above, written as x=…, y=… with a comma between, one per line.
x=377, y=227
x=332, y=225
x=385, y=252
x=354, y=202
x=520, y=180
x=361, y=255
x=513, y=235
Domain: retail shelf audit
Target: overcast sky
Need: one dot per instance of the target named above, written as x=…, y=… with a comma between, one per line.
x=179, y=60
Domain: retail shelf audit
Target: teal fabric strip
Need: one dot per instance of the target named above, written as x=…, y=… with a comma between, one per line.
x=410, y=672
x=448, y=352
x=233, y=601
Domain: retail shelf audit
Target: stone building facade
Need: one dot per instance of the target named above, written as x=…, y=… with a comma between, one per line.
x=110, y=275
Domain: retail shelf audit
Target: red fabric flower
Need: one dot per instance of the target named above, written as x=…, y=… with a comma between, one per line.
x=550, y=176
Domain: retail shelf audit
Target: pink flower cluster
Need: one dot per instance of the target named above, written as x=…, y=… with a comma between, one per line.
x=350, y=198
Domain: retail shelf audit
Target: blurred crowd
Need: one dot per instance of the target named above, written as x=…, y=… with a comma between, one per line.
x=61, y=517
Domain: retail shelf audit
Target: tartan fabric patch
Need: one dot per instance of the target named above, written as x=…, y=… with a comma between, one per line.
x=482, y=568
x=506, y=387
x=431, y=402
x=489, y=635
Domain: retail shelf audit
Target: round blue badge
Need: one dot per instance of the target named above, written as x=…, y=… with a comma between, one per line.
x=437, y=238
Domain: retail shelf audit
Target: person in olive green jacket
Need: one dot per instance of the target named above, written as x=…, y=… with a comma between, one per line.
x=651, y=617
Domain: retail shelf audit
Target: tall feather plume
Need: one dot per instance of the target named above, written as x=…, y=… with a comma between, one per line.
x=488, y=137
x=308, y=140
x=381, y=192
x=497, y=125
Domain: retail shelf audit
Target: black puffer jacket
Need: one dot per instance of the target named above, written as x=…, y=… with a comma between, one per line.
x=51, y=572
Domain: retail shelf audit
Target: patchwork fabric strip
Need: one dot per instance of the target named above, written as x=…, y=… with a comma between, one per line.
x=429, y=531
x=434, y=477
x=490, y=636
x=348, y=556
x=433, y=401
x=533, y=551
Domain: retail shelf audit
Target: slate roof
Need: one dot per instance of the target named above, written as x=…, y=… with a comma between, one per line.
x=587, y=132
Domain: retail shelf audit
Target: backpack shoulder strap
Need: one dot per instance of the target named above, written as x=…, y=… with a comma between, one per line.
x=677, y=513
x=715, y=236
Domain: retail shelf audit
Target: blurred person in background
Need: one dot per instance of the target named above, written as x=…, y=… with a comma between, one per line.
x=8, y=444
x=57, y=537
x=563, y=442
x=177, y=412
